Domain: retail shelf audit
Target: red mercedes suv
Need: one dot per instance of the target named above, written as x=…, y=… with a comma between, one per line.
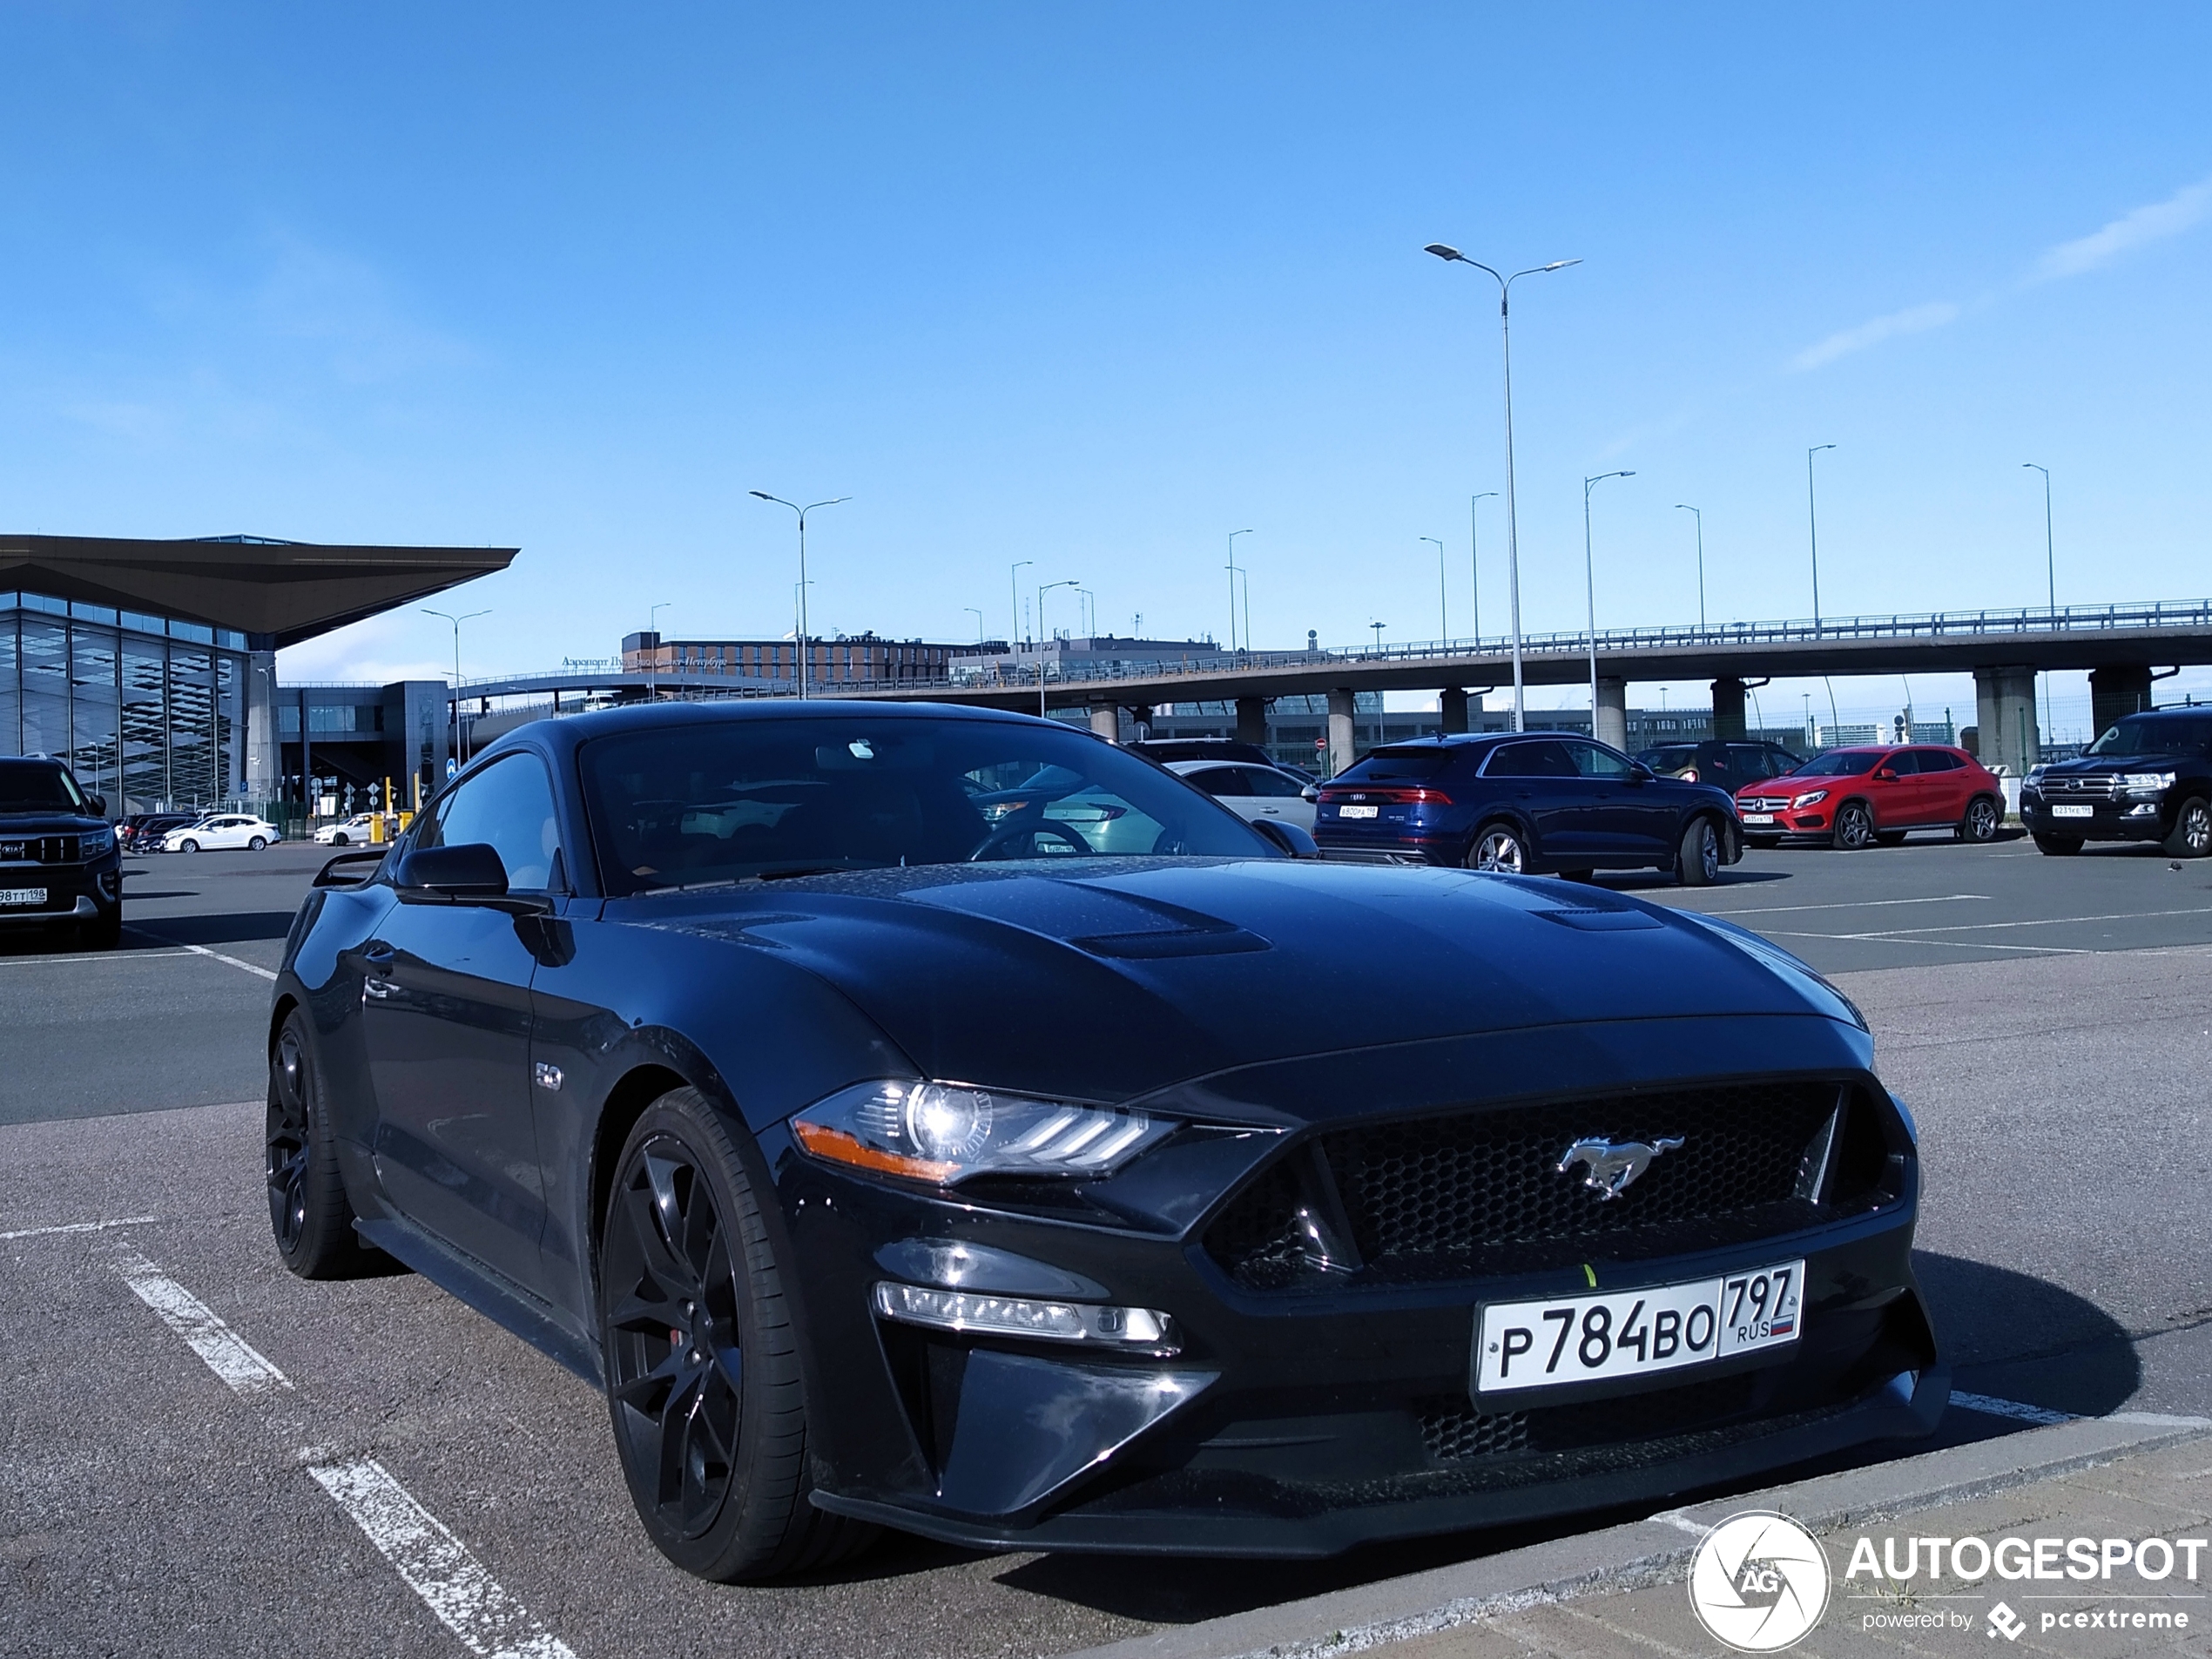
x=1854, y=798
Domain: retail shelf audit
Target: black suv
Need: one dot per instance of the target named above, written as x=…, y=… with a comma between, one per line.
x=2146, y=778
x=1547, y=801
x=58, y=863
x=1731, y=763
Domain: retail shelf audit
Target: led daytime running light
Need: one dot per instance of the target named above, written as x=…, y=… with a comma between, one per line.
x=1011, y=1315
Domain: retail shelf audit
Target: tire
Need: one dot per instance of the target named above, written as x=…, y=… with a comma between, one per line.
x=188, y=846
x=1854, y=829
x=1890, y=838
x=1499, y=849
x=338, y=840
x=2191, y=835
x=257, y=843
x=310, y=1215
x=102, y=933
x=699, y=1351
x=2059, y=846
x=1981, y=822
x=1697, y=859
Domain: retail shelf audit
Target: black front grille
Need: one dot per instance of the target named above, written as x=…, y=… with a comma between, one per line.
x=38, y=849
x=1465, y=1193
x=1455, y=1432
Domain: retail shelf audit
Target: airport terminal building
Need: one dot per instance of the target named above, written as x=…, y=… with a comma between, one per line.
x=149, y=667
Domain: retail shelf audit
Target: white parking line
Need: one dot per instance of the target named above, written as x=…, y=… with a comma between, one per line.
x=77, y=1227
x=437, y=1566
x=1989, y=1406
x=201, y=950
x=1863, y=904
x=107, y=957
x=227, y=1354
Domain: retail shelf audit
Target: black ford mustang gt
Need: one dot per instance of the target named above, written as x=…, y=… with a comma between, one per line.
x=945, y=1120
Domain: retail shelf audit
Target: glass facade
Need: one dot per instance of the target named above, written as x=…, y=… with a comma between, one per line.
x=147, y=711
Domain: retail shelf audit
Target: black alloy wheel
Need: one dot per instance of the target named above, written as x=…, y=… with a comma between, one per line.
x=1498, y=849
x=1697, y=861
x=1981, y=822
x=1854, y=827
x=703, y=1379
x=309, y=1213
x=2192, y=836
x=2058, y=847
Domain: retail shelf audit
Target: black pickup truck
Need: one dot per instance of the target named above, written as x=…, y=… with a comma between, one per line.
x=59, y=865
x=2149, y=778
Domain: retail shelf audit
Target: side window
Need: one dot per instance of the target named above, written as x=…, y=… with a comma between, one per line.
x=1541, y=758
x=1937, y=760
x=1592, y=761
x=1717, y=763
x=1222, y=780
x=1904, y=763
x=1274, y=785
x=508, y=806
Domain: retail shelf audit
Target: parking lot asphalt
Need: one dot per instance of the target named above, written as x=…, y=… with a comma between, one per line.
x=159, y=1494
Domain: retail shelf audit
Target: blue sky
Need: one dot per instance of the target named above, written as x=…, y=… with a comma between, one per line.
x=1095, y=286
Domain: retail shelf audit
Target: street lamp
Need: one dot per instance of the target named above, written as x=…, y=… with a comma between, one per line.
x=978, y=615
x=1812, y=519
x=1474, y=565
x=1072, y=582
x=1684, y=507
x=1014, y=590
x=1233, y=574
x=1512, y=523
x=1090, y=610
x=1443, y=600
x=1378, y=627
x=467, y=616
x=652, y=651
x=803, y=583
x=1589, y=584
x=2050, y=572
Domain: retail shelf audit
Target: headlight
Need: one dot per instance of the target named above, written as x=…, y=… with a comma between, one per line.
x=2148, y=782
x=2035, y=774
x=1813, y=799
x=943, y=1133
x=100, y=840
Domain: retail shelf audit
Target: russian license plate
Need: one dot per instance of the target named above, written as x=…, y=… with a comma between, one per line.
x=1634, y=1333
x=1758, y=817
x=22, y=895
x=1357, y=812
x=2072, y=810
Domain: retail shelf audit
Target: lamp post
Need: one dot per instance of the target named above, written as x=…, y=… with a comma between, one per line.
x=803, y=583
x=1474, y=565
x=978, y=615
x=652, y=651
x=1443, y=601
x=1043, y=590
x=1233, y=574
x=1014, y=591
x=1812, y=521
x=459, y=747
x=2050, y=573
x=1090, y=610
x=1513, y=522
x=1589, y=583
x=1684, y=507
x=1378, y=627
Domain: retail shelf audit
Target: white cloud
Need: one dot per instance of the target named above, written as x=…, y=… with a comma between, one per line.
x=1913, y=321
x=2129, y=231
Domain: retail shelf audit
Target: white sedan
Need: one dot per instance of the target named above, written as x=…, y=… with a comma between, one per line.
x=1250, y=791
x=221, y=830
x=344, y=834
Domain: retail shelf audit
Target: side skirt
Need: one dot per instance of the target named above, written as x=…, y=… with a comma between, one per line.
x=492, y=1294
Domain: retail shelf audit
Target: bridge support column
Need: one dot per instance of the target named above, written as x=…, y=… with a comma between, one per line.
x=1106, y=721
x=1452, y=708
x=2005, y=707
x=2122, y=689
x=1612, y=713
x=1251, y=720
x=1343, y=741
x=1727, y=707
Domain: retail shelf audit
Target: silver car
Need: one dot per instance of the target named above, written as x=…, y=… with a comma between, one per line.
x=1250, y=791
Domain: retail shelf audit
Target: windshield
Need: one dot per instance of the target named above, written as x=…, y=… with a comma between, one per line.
x=38, y=786
x=1840, y=763
x=2155, y=737
x=685, y=805
x=1396, y=766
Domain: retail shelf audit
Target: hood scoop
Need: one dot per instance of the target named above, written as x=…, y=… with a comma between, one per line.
x=1183, y=942
x=1606, y=921
x=1098, y=921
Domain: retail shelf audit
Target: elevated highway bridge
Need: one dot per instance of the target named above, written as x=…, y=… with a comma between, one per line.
x=2122, y=647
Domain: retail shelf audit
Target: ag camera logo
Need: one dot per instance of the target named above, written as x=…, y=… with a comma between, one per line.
x=1758, y=1581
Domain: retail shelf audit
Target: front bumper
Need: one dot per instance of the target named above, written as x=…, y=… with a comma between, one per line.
x=2113, y=820
x=73, y=892
x=1303, y=1424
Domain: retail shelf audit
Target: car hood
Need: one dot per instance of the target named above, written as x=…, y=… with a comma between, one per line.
x=16, y=825
x=1137, y=973
x=2104, y=765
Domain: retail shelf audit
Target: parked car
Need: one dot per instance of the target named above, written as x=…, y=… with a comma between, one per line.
x=142, y=832
x=1253, y=790
x=2148, y=778
x=889, y=1166
x=221, y=830
x=59, y=868
x=1522, y=803
x=1167, y=750
x=347, y=831
x=1728, y=763
x=1855, y=798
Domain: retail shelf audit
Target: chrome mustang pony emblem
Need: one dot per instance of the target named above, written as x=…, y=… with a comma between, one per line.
x=1609, y=1166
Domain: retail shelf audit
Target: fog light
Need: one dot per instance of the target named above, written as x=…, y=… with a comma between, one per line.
x=1011, y=1315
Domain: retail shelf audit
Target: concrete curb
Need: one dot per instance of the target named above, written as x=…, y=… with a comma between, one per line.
x=1648, y=1551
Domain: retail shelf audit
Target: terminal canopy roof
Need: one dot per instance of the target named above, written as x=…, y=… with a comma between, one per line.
x=277, y=593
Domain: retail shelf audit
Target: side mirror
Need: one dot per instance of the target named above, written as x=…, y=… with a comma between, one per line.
x=1885, y=776
x=1640, y=773
x=1312, y=791
x=468, y=874
x=98, y=804
x=1294, y=842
